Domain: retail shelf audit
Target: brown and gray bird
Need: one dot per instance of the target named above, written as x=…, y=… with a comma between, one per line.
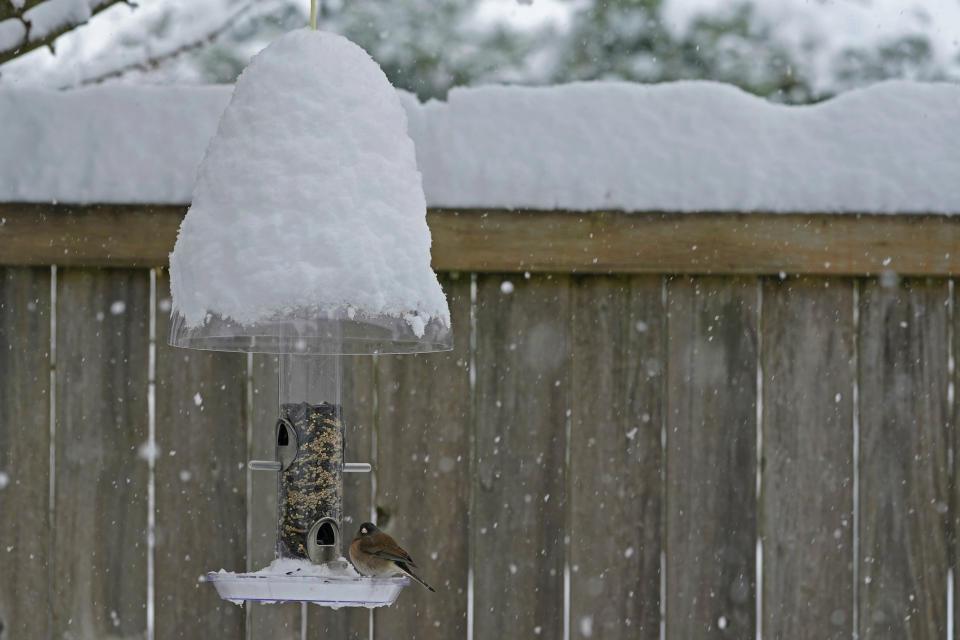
x=374, y=553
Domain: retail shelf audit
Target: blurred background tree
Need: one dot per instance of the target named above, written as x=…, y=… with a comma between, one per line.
x=423, y=47
x=629, y=40
x=799, y=52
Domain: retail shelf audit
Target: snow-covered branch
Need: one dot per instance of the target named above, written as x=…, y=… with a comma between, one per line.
x=15, y=8
x=164, y=52
x=28, y=24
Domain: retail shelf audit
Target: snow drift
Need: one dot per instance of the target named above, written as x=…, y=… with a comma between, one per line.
x=689, y=146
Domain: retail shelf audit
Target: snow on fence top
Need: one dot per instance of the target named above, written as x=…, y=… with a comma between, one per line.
x=688, y=146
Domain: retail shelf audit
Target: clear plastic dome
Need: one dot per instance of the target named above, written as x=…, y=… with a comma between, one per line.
x=308, y=334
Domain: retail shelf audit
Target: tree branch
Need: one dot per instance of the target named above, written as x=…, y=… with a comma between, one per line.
x=10, y=10
x=9, y=51
x=172, y=52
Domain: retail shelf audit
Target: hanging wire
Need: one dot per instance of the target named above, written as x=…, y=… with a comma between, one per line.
x=313, y=14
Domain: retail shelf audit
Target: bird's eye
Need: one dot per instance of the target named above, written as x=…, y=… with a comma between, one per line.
x=363, y=529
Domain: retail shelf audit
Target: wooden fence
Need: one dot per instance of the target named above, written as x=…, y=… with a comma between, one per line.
x=637, y=435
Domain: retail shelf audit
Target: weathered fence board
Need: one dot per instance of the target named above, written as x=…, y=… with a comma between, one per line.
x=904, y=478
x=95, y=235
x=616, y=461
x=273, y=621
x=25, y=563
x=359, y=397
x=955, y=445
x=519, y=500
x=497, y=240
x=201, y=483
x=423, y=485
x=694, y=243
x=711, y=458
x=550, y=457
x=101, y=483
x=806, y=504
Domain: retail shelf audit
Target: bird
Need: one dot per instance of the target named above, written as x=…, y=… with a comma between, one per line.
x=374, y=553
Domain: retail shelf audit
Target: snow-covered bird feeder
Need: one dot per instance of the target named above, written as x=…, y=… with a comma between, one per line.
x=307, y=238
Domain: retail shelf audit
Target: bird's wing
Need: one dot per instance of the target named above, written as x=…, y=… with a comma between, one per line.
x=389, y=551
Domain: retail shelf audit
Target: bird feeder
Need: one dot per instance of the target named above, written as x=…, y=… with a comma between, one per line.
x=307, y=239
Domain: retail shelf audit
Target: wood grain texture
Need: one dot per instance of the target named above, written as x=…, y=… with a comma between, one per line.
x=100, y=509
x=25, y=606
x=616, y=461
x=711, y=458
x=904, y=477
x=201, y=483
x=275, y=621
x=423, y=476
x=806, y=505
x=955, y=484
x=519, y=503
x=93, y=235
x=359, y=399
x=358, y=394
x=694, y=243
x=544, y=241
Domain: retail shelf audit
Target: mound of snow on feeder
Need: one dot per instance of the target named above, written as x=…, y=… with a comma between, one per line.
x=298, y=567
x=309, y=201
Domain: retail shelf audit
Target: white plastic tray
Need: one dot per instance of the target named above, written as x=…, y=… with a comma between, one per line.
x=334, y=592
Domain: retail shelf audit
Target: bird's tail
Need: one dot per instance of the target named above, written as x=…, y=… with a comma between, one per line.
x=406, y=569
